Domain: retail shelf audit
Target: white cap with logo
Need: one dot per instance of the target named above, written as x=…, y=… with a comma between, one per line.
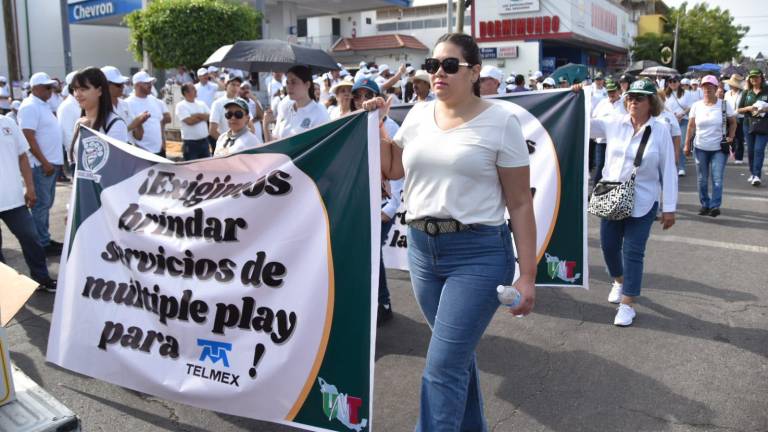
x=142, y=77
x=114, y=76
x=41, y=78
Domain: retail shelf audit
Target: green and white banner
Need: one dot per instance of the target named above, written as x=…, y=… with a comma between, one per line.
x=241, y=284
x=554, y=125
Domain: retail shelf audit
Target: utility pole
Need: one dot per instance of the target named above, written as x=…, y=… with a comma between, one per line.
x=64, y=10
x=449, y=3
x=461, y=10
x=11, y=44
x=674, y=49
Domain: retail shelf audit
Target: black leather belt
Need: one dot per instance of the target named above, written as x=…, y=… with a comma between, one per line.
x=434, y=226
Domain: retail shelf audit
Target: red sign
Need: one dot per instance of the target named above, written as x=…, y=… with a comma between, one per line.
x=519, y=27
x=603, y=19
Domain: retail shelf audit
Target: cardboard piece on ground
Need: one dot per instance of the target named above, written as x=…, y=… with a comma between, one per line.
x=15, y=290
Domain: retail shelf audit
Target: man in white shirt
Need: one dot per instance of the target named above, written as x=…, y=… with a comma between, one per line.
x=193, y=115
x=696, y=93
x=5, y=96
x=143, y=101
x=44, y=136
x=218, y=123
x=206, y=90
x=117, y=84
x=422, y=88
x=14, y=201
x=274, y=83
x=597, y=89
x=56, y=98
x=490, y=80
x=384, y=75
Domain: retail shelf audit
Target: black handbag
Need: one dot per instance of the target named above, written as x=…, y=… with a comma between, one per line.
x=725, y=147
x=615, y=200
x=758, y=125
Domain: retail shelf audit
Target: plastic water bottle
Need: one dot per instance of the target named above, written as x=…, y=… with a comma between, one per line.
x=509, y=296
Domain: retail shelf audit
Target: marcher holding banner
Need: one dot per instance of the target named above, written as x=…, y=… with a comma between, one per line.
x=463, y=159
x=623, y=241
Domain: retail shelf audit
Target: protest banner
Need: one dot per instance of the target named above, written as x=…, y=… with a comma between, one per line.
x=554, y=126
x=241, y=284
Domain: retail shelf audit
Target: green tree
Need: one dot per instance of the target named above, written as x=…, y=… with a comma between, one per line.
x=185, y=32
x=707, y=35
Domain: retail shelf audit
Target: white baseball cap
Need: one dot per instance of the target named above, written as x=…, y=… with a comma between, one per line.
x=70, y=76
x=41, y=78
x=212, y=69
x=422, y=75
x=363, y=64
x=538, y=74
x=409, y=70
x=25, y=86
x=142, y=77
x=15, y=105
x=685, y=81
x=344, y=73
x=549, y=81
x=113, y=75
x=694, y=81
x=201, y=72
x=489, y=71
x=383, y=68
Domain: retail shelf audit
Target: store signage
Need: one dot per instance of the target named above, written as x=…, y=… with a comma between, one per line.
x=488, y=53
x=95, y=9
x=508, y=52
x=605, y=20
x=519, y=28
x=517, y=6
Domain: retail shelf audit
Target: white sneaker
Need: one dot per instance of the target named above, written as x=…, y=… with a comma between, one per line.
x=756, y=181
x=615, y=295
x=738, y=162
x=681, y=173
x=624, y=316
x=751, y=179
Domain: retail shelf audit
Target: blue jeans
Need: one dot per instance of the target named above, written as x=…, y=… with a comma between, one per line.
x=45, y=189
x=599, y=162
x=710, y=161
x=454, y=278
x=21, y=224
x=755, y=150
x=383, y=289
x=195, y=149
x=683, y=130
x=623, y=244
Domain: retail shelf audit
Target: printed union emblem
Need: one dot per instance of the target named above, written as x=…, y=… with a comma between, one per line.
x=562, y=269
x=95, y=154
x=341, y=407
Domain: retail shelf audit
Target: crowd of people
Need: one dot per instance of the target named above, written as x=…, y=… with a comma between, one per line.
x=459, y=161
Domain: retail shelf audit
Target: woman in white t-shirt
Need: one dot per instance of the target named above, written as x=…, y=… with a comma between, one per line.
x=303, y=113
x=91, y=91
x=710, y=119
x=679, y=102
x=465, y=161
x=238, y=137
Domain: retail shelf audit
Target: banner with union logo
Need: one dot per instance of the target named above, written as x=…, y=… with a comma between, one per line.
x=241, y=284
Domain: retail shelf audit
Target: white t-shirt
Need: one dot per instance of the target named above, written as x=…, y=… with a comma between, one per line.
x=12, y=145
x=185, y=109
x=245, y=141
x=54, y=101
x=152, y=141
x=453, y=173
x=68, y=114
x=733, y=101
x=291, y=121
x=678, y=105
x=207, y=93
x=709, y=124
x=671, y=121
x=118, y=130
x=36, y=115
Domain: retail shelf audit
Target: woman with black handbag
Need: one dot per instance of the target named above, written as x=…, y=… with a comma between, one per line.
x=712, y=125
x=639, y=166
x=755, y=123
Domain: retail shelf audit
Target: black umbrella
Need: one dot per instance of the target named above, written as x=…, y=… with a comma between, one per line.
x=638, y=66
x=270, y=55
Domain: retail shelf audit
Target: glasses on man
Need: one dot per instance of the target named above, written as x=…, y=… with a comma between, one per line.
x=450, y=65
x=236, y=114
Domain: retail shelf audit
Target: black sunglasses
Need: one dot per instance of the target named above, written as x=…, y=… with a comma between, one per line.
x=236, y=114
x=450, y=65
x=636, y=97
x=363, y=95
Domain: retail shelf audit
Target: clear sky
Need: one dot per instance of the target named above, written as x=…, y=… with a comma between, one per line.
x=752, y=13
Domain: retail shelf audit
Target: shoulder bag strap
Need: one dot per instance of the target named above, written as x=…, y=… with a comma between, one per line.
x=725, y=124
x=111, y=123
x=641, y=149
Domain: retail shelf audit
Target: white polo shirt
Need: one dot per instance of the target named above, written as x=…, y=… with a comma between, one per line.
x=245, y=141
x=152, y=141
x=36, y=115
x=68, y=114
x=207, y=93
x=186, y=109
x=12, y=145
x=292, y=121
x=659, y=158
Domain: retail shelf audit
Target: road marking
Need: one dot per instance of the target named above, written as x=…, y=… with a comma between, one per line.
x=702, y=242
x=730, y=197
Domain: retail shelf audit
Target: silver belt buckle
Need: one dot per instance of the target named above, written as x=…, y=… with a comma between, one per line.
x=431, y=227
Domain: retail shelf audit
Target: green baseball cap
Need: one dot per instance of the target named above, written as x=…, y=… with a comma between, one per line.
x=642, y=87
x=755, y=72
x=240, y=102
x=610, y=85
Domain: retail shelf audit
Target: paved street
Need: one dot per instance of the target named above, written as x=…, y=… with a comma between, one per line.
x=695, y=360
